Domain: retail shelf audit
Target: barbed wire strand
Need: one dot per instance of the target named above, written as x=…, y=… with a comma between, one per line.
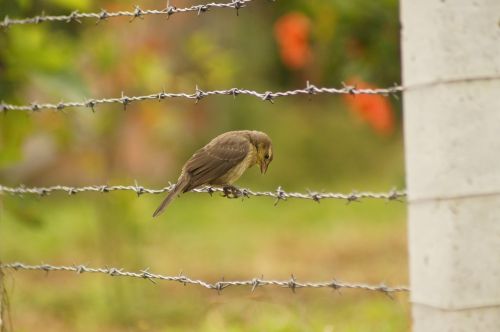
x=200, y=94
x=168, y=11
x=279, y=194
x=291, y=283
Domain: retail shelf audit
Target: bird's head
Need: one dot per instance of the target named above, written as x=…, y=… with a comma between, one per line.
x=264, y=150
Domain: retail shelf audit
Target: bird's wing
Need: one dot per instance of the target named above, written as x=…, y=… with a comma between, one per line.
x=216, y=159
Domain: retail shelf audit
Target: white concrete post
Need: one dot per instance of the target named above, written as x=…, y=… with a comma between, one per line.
x=451, y=64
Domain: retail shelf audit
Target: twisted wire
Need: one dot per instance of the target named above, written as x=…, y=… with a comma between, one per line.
x=279, y=194
x=200, y=94
x=168, y=11
x=253, y=283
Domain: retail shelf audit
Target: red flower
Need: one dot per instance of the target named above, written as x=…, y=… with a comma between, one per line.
x=292, y=34
x=373, y=109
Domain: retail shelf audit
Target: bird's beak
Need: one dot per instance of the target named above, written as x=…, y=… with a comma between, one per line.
x=263, y=167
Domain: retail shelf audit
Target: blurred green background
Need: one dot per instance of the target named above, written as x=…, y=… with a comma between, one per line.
x=331, y=143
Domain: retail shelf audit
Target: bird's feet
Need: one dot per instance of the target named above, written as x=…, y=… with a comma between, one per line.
x=232, y=192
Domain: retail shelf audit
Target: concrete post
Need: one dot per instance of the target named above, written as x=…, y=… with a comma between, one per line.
x=451, y=64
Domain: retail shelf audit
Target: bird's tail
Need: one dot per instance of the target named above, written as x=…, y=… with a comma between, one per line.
x=178, y=189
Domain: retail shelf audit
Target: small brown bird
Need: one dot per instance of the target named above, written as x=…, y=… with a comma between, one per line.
x=221, y=162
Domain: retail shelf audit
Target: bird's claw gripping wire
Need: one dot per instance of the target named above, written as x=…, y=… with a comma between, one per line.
x=232, y=192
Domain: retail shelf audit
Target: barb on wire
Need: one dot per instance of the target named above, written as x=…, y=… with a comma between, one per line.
x=168, y=11
x=291, y=283
x=198, y=94
x=279, y=194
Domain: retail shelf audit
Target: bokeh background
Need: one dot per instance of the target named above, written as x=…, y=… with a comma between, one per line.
x=331, y=143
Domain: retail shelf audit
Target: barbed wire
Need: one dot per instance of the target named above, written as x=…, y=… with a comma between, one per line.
x=168, y=11
x=254, y=283
x=200, y=94
x=279, y=194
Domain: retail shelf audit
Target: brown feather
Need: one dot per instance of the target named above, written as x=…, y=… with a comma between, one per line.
x=216, y=159
x=179, y=188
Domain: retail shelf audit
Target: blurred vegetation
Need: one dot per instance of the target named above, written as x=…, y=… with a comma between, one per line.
x=327, y=143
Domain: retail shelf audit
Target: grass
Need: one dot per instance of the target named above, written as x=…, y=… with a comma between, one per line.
x=206, y=238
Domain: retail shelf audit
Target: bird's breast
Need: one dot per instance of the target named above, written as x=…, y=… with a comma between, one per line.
x=237, y=171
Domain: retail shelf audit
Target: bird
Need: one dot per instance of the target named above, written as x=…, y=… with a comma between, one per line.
x=221, y=162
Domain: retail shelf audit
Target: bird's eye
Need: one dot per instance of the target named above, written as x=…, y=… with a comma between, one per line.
x=266, y=156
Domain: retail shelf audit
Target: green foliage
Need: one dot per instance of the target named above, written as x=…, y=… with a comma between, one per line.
x=359, y=242
x=319, y=145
